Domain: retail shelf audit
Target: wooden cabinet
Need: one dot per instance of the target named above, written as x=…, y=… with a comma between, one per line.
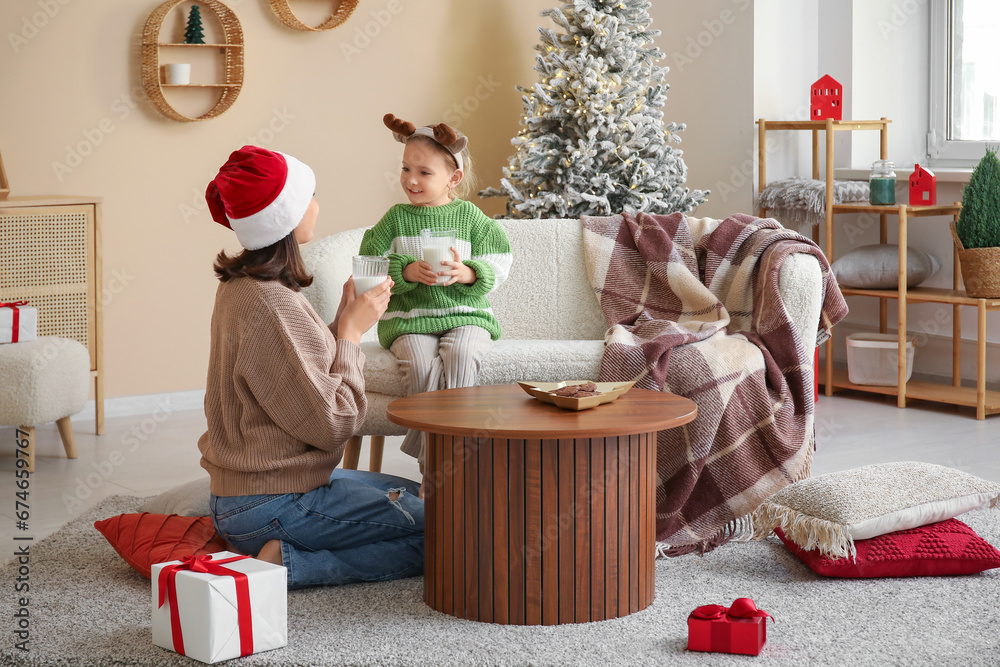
x=985, y=402
x=51, y=258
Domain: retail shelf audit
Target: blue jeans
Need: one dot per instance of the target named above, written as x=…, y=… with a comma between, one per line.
x=362, y=526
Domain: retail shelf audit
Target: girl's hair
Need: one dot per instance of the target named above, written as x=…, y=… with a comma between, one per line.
x=469, y=181
x=279, y=261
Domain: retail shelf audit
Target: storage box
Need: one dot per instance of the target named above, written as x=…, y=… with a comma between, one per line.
x=873, y=358
x=227, y=606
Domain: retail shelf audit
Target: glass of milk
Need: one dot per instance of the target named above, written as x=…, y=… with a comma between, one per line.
x=435, y=247
x=369, y=271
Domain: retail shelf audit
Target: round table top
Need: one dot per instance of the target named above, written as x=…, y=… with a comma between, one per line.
x=506, y=411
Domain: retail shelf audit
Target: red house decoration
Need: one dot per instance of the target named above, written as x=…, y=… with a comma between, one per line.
x=923, y=187
x=827, y=99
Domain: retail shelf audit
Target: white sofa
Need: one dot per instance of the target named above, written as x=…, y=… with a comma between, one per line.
x=552, y=324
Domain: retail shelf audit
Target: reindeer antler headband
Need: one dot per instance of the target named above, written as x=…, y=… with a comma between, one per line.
x=443, y=134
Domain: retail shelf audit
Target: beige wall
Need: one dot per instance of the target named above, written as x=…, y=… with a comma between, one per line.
x=73, y=121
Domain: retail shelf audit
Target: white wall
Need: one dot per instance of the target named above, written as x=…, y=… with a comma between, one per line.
x=785, y=65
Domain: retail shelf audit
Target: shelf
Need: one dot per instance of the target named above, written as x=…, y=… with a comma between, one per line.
x=200, y=85
x=890, y=209
x=926, y=295
x=214, y=46
x=956, y=297
x=838, y=125
x=925, y=391
x=230, y=60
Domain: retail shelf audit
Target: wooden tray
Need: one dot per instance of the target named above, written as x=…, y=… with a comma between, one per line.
x=609, y=392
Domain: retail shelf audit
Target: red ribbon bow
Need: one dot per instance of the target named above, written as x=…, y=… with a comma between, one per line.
x=205, y=564
x=16, y=318
x=742, y=608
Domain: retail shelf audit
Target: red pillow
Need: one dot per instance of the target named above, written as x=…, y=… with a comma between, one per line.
x=943, y=548
x=146, y=539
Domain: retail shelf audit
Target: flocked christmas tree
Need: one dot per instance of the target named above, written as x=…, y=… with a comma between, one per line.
x=593, y=140
x=193, y=33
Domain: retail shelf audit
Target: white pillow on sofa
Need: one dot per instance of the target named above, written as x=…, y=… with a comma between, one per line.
x=877, y=267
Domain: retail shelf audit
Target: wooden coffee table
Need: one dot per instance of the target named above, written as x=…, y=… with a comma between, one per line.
x=535, y=514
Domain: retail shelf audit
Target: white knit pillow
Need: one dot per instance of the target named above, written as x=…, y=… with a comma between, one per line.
x=829, y=512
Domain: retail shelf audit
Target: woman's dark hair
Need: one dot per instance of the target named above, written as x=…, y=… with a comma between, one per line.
x=278, y=261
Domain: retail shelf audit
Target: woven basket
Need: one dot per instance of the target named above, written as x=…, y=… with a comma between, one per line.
x=980, y=269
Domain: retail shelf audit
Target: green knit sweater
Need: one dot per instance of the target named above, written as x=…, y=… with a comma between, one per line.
x=415, y=308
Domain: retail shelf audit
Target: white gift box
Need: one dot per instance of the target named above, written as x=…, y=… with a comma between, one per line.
x=27, y=328
x=208, y=609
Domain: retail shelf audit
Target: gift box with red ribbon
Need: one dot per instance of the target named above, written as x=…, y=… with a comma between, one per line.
x=18, y=322
x=741, y=628
x=219, y=606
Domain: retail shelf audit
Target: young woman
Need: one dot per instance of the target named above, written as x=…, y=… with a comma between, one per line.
x=285, y=392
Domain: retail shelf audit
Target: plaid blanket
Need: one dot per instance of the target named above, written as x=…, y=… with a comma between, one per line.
x=696, y=311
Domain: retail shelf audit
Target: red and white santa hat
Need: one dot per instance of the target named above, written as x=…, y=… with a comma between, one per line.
x=261, y=195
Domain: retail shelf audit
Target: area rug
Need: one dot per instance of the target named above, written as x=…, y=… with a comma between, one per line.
x=87, y=607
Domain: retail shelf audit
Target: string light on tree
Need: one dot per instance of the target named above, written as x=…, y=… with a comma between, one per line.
x=593, y=140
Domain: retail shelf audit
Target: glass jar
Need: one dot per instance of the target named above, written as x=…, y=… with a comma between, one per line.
x=882, y=183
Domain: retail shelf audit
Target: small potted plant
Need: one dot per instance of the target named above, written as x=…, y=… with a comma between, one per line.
x=977, y=234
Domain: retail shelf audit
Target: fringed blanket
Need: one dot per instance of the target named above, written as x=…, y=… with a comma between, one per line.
x=697, y=312
x=801, y=202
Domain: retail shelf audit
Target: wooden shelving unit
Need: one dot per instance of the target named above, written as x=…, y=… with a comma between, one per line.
x=985, y=402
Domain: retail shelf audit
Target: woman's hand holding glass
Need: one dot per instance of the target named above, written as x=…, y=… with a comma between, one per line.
x=358, y=314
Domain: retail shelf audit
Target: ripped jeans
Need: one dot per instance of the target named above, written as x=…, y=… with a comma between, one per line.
x=362, y=526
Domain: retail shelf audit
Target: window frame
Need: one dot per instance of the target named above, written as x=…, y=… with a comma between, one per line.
x=942, y=151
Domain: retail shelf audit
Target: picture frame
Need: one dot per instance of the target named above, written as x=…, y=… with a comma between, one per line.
x=4, y=185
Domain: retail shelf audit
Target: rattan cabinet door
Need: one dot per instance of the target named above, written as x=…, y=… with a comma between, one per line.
x=47, y=259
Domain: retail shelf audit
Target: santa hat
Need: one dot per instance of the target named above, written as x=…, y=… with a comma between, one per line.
x=261, y=195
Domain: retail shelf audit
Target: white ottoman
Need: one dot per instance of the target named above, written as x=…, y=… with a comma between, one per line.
x=43, y=380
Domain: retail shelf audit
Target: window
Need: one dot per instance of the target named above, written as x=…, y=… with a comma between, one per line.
x=965, y=81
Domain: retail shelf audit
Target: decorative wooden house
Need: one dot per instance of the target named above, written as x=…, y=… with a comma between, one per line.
x=827, y=99
x=923, y=187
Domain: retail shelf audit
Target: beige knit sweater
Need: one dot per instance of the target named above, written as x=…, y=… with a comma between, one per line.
x=283, y=395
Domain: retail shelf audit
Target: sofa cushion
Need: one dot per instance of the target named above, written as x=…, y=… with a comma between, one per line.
x=547, y=296
x=506, y=363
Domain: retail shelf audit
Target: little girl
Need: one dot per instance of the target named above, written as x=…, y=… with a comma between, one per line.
x=438, y=332
x=285, y=392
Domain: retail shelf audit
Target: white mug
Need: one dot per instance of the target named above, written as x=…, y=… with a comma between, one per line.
x=178, y=74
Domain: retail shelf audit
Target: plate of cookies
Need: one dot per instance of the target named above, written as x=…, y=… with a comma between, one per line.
x=576, y=394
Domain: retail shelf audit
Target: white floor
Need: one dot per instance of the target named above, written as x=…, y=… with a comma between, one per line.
x=145, y=455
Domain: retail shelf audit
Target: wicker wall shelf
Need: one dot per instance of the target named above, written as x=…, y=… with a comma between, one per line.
x=285, y=14
x=232, y=53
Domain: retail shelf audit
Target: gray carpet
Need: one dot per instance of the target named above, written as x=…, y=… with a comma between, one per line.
x=89, y=608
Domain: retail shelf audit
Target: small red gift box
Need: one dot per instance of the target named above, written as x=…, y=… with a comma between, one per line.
x=741, y=628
